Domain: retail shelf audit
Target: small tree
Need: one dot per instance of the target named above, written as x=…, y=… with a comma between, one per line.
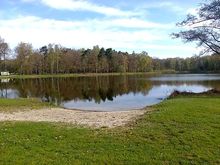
x=204, y=28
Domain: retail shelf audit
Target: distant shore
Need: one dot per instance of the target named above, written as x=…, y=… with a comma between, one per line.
x=83, y=74
x=24, y=76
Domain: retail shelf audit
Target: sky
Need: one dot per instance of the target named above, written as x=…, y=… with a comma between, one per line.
x=124, y=25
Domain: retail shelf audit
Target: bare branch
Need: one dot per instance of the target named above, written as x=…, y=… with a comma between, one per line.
x=204, y=27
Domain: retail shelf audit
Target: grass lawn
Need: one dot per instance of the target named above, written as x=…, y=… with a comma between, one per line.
x=182, y=130
x=12, y=105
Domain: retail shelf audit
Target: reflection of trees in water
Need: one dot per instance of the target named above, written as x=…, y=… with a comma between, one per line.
x=4, y=90
x=97, y=88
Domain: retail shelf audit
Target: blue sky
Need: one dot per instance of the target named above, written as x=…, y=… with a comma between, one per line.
x=131, y=25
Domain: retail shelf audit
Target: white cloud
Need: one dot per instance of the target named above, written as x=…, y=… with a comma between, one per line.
x=85, y=5
x=138, y=23
x=95, y=31
x=171, y=47
x=27, y=1
x=171, y=6
x=164, y=4
x=107, y=33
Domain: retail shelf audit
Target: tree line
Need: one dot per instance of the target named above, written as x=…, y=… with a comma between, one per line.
x=195, y=64
x=55, y=59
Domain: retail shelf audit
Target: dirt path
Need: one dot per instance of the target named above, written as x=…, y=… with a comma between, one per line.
x=92, y=119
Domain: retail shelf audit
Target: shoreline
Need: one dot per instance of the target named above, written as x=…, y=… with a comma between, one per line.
x=82, y=75
x=93, y=119
x=66, y=75
x=77, y=117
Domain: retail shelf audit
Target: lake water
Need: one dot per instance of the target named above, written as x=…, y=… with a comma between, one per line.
x=107, y=93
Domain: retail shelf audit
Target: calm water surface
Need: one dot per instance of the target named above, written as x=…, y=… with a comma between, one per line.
x=107, y=93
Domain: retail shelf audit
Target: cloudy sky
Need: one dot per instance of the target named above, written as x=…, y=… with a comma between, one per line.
x=126, y=25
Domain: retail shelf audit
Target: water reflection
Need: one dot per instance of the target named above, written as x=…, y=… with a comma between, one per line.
x=106, y=92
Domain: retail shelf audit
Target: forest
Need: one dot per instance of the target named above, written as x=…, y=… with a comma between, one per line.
x=55, y=59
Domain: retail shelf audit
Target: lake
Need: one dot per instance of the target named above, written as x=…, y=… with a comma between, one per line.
x=107, y=93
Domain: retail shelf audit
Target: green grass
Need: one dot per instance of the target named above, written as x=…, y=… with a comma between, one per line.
x=84, y=74
x=12, y=105
x=178, y=131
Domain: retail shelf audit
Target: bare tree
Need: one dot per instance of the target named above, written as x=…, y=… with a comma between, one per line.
x=204, y=27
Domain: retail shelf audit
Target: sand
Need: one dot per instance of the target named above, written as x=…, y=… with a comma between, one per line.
x=83, y=118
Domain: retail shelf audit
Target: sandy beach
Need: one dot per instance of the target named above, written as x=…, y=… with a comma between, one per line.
x=83, y=118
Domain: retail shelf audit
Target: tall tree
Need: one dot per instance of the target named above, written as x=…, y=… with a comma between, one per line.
x=57, y=51
x=93, y=59
x=36, y=61
x=4, y=49
x=204, y=27
x=145, y=62
x=23, y=51
x=51, y=58
x=103, y=61
x=44, y=52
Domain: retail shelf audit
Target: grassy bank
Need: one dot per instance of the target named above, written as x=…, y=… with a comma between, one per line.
x=12, y=105
x=181, y=130
x=84, y=74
